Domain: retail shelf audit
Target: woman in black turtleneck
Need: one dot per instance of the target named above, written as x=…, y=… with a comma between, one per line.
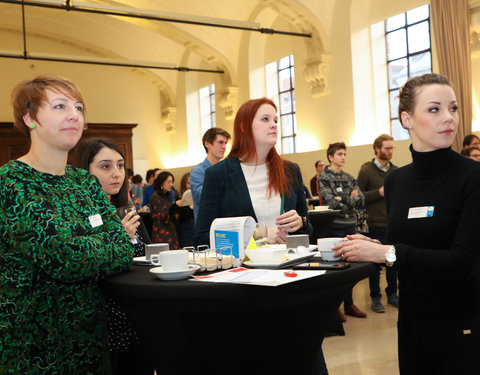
x=433, y=221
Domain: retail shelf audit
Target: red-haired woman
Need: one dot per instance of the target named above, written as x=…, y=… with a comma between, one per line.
x=254, y=180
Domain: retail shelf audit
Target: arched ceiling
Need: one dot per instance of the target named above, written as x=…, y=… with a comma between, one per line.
x=154, y=41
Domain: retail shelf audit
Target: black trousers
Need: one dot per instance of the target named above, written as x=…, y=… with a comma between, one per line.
x=130, y=363
x=428, y=347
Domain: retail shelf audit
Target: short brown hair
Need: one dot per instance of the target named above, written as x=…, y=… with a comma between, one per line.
x=468, y=150
x=334, y=147
x=409, y=91
x=378, y=142
x=211, y=134
x=28, y=96
x=467, y=141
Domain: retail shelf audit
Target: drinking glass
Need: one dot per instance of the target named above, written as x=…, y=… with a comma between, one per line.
x=261, y=234
x=122, y=212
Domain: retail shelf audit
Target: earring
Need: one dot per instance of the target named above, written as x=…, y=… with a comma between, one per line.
x=32, y=126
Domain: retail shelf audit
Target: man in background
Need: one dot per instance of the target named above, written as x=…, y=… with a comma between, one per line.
x=150, y=177
x=370, y=181
x=339, y=190
x=215, y=143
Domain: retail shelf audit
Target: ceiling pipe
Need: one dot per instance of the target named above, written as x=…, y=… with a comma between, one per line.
x=153, y=15
x=102, y=61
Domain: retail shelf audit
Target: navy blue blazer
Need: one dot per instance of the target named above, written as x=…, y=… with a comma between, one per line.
x=225, y=194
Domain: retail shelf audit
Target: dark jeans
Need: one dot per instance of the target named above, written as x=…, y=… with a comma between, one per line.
x=380, y=233
x=338, y=230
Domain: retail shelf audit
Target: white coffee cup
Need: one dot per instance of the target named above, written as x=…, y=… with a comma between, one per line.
x=172, y=260
x=325, y=247
x=155, y=248
x=296, y=240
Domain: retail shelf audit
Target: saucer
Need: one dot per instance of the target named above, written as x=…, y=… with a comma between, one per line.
x=175, y=275
x=142, y=261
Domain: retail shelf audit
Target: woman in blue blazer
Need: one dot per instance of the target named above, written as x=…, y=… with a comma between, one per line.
x=254, y=180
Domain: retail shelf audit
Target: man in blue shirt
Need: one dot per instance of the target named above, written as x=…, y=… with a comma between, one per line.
x=215, y=142
x=151, y=176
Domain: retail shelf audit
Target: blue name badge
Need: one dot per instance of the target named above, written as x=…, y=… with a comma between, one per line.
x=225, y=238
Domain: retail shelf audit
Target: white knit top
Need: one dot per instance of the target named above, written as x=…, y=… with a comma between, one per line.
x=266, y=209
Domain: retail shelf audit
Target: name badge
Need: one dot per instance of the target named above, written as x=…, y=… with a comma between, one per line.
x=420, y=212
x=95, y=220
x=339, y=189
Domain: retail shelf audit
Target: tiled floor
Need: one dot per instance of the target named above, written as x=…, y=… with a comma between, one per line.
x=369, y=346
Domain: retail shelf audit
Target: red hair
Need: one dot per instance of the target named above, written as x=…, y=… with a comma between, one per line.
x=244, y=149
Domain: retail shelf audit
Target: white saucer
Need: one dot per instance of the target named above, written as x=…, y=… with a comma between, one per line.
x=175, y=275
x=142, y=261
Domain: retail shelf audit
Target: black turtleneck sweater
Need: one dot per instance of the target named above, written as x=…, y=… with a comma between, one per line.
x=438, y=257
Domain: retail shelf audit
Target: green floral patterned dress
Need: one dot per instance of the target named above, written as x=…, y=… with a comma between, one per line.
x=53, y=251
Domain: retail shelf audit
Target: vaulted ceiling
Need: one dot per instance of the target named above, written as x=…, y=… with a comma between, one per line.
x=119, y=37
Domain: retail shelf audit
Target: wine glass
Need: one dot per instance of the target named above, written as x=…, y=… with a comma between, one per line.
x=261, y=234
x=122, y=212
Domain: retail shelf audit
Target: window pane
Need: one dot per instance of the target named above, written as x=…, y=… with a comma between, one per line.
x=294, y=125
x=285, y=103
x=214, y=119
x=271, y=80
x=291, y=60
x=418, y=37
x=395, y=22
x=394, y=103
x=212, y=103
x=396, y=44
x=420, y=64
x=417, y=14
x=287, y=125
x=284, y=80
x=293, y=103
x=284, y=63
x=397, y=73
x=398, y=132
x=287, y=145
x=292, y=73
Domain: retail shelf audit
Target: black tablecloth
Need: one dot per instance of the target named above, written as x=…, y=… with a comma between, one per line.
x=191, y=327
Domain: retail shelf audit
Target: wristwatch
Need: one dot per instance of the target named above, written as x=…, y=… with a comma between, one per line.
x=390, y=256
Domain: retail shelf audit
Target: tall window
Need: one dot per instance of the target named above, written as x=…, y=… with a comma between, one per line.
x=207, y=108
x=409, y=54
x=281, y=88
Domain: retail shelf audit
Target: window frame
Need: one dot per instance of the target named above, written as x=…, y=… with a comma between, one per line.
x=393, y=117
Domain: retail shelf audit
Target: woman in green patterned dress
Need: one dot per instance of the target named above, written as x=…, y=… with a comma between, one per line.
x=58, y=237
